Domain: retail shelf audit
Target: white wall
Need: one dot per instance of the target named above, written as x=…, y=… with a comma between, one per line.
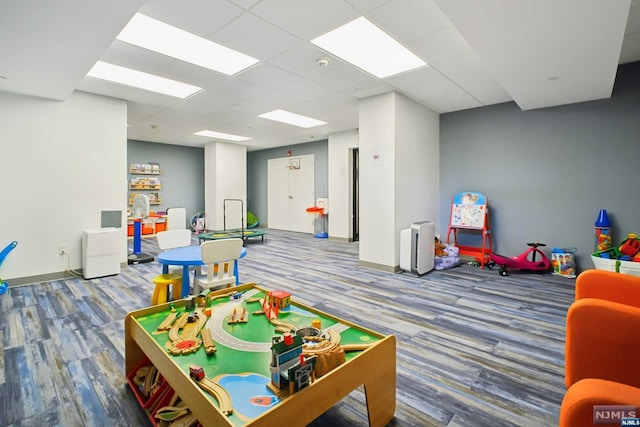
x=225, y=169
x=340, y=183
x=62, y=164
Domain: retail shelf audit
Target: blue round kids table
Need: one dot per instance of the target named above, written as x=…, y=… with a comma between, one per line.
x=187, y=256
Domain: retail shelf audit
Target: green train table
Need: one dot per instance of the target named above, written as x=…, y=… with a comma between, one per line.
x=239, y=388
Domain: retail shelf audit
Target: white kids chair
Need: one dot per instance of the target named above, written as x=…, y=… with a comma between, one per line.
x=219, y=257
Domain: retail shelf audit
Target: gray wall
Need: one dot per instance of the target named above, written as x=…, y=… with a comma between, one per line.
x=548, y=172
x=257, y=173
x=182, y=175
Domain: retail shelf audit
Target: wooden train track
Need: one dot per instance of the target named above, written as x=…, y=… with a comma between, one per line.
x=207, y=341
x=219, y=393
x=183, y=336
x=168, y=321
x=323, y=346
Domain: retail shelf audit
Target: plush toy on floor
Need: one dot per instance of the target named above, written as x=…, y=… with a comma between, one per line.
x=440, y=248
x=446, y=255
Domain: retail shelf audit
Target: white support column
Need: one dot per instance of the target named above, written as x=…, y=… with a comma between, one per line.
x=225, y=170
x=399, y=174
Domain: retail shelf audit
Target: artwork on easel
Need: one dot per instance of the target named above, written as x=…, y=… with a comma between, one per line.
x=468, y=210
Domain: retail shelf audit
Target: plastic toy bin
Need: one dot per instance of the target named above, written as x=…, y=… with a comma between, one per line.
x=563, y=262
x=608, y=260
x=146, y=401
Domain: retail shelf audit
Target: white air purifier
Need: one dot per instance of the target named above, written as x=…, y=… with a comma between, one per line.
x=101, y=252
x=417, y=245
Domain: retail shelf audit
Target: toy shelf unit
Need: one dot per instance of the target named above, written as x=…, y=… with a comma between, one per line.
x=140, y=183
x=470, y=215
x=144, y=169
x=145, y=183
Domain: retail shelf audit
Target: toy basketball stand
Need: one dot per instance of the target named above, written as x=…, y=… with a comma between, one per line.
x=140, y=210
x=320, y=213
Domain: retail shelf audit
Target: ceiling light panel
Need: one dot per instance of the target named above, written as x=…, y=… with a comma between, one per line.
x=366, y=46
x=127, y=76
x=292, y=119
x=157, y=36
x=220, y=135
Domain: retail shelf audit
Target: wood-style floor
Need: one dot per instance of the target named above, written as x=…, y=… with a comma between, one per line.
x=474, y=348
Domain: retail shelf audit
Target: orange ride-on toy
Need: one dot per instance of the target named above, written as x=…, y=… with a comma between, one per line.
x=533, y=259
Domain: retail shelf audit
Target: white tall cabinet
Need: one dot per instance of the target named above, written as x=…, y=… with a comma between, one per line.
x=290, y=191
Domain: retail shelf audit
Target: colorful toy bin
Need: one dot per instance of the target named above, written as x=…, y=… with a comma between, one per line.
x=563, y=262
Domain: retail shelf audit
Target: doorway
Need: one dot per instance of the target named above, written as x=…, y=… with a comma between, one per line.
x=290, y=190
x=355, y=167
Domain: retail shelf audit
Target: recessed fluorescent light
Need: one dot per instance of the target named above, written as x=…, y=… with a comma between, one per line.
x=129, y=77
x=220, y=135
x=366, y=46
x=157, y=36
x=292, y=119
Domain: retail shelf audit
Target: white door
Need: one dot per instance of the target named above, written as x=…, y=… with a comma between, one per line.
x=290, y=192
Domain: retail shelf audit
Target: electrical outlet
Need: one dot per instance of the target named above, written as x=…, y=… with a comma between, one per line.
x=63, y=249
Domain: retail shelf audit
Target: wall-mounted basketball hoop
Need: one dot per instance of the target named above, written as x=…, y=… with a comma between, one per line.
x=294, y=164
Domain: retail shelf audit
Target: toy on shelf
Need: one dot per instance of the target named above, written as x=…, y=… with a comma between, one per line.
x=532, y=259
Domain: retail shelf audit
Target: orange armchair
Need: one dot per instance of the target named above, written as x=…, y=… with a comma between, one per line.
x=608, y=285
x=578, y=402
x=602, y=353
x=603, y=341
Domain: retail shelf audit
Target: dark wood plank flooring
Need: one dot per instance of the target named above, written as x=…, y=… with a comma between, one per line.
x=474, y=348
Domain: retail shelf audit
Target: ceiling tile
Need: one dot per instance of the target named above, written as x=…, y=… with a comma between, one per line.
x=471, y=74
x=440, y=46
x=254, y=36
x=137, y=111
x=306, y=19
x=407, y=20
x=304, y=90
x=268, y=76
x=303, y=61
x=345, y=78
x=201, y=17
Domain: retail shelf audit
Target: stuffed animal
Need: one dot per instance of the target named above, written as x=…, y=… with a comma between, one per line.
x=440, y=248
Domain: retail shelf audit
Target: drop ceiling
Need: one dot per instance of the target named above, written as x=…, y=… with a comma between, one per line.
x=538, y=53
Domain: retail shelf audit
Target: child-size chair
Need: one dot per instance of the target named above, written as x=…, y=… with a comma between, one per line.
x=602, y=346
x=176, y=218
x=219, y=256
x=168, y=240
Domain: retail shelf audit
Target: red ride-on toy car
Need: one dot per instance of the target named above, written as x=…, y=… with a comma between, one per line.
x=533, y=259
